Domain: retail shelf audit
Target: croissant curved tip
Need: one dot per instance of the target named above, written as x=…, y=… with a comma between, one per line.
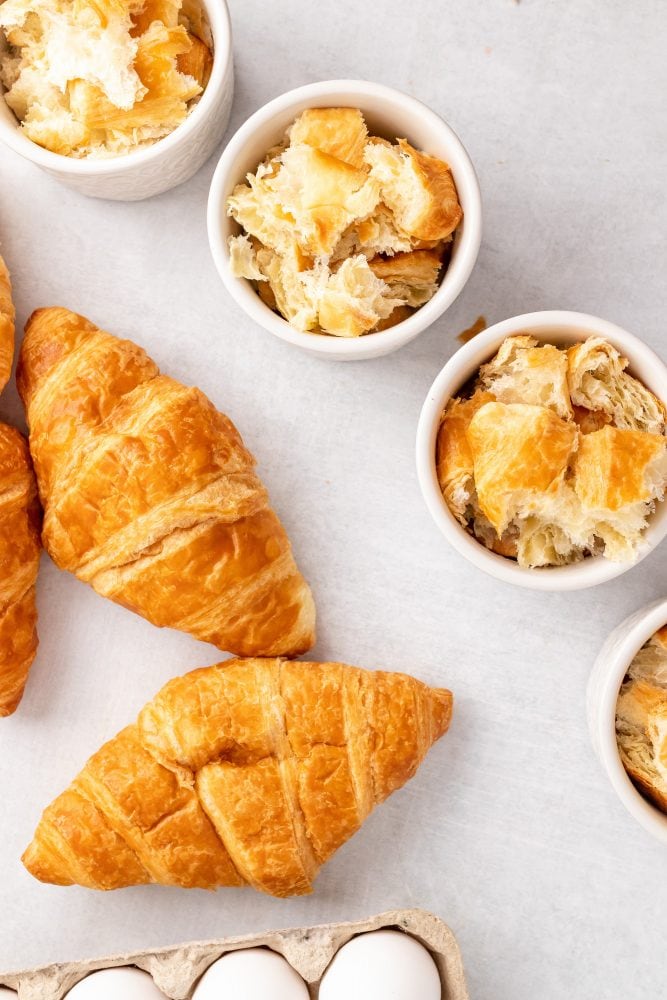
x=442, y=705
x=48, y=332
x=35, y=863
x=45, y=312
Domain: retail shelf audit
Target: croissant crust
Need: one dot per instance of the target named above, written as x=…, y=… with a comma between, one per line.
x=250, y=771
x=19, y=562
x=7, y=316
x=151, y=497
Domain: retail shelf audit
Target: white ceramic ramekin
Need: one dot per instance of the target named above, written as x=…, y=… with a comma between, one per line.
x=604, y=684
x=389, y=113
x=166, y=163
x=561, y=328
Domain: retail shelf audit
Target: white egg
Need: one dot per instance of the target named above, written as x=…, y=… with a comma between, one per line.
x=124, y=983
x=382, y=965
x=251, y=974
x=7, y=994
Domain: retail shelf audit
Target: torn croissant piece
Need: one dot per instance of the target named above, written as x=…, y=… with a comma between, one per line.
x=525, y=372
x=94, y=79
x=454, y=461
x=243, y=258
x=418, y=189
x=598, y=381
x=545, y=476
x=339, y=132
x=19, y=557
x=376, y=234
x=518, y=451
x=7, y=316
x=618, y=475
x=641, y=720
x=355, y=299
x=248, y=772
x=339, y=196
x=197, y=62
x=150, y=495
x=412, y=277
x=143, y=15
x=166, y=90
x=159, y=51
x=615, y=468
x=322, y=194
x=650, y=663
x=294, y=282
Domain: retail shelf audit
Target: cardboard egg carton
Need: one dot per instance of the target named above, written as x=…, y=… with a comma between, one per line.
x=309, y=950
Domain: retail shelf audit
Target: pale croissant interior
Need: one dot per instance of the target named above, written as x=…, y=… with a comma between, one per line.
x=555, y=454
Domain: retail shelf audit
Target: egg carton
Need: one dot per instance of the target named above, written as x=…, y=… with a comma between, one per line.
x=308, y=950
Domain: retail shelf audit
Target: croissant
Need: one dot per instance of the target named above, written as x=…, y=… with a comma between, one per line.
x=19, y=561
x=151, y=497
x=250, y=771
x=6, y=326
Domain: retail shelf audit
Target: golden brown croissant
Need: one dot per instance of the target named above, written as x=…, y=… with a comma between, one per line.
x=7, y=316
x=250, y=771
x=150, y=496
x=19, y=561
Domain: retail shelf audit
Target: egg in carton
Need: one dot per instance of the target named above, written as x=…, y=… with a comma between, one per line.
x=176, y=971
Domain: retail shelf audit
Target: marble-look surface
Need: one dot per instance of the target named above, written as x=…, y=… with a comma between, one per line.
x=511, y=832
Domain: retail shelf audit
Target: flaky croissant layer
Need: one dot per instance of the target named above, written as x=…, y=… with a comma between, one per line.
x=151, y=497
x=248, y=772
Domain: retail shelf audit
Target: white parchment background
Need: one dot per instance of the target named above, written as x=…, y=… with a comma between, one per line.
x=510, y=832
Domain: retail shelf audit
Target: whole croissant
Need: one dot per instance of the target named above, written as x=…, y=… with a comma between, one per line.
x=151, y=497
x=250, y=771
x=7, y=316
x=19, y=561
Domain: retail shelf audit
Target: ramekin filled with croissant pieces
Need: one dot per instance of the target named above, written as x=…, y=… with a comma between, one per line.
x=344, y=217
x=627, y=714
x=118, y=98
x=542, y=453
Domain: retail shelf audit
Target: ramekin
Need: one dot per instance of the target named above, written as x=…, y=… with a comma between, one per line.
x=169, y=161
x=391, y=114
x=604, y=684
x=561, y=328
